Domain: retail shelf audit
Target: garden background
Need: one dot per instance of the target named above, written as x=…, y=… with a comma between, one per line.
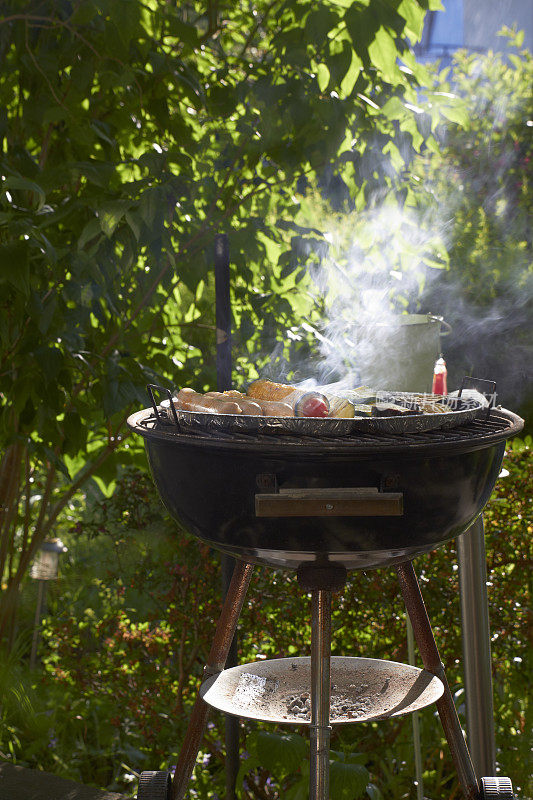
x=131, y=134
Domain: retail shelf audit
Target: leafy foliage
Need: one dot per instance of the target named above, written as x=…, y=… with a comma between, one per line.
x=286, y=756
x=131, y=133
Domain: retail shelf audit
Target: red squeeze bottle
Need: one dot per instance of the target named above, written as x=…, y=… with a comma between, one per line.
x=439, y=377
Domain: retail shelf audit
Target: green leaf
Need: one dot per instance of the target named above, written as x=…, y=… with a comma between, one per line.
x=323, y=77
x=135, y=224
x=92, y=229
x=355, y=758
x=298, y=791
x=75, y=433
x=394, y=109
x=181, y=30
x=341, y=60
x=49, y=455
x=102, y=131
x=97, y=172
x=84, y=13
x=23, y=184
x=350, y=79
x=414, y=15
x=280, y=753
x=150, y=208
x=318, y=24
x=110, y=215
x=14, y=266
x=347, y=781
x=457, y=114
x=50, y=361
x=383, y=53
x=48, y=312
x=249, y=764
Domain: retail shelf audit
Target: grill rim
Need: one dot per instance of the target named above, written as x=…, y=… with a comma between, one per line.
x=501, y=425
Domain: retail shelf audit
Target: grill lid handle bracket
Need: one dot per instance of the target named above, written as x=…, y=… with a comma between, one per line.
x=150, y=389
x=484, y=387
x=341, y=502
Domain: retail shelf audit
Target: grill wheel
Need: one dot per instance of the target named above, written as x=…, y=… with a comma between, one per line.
x=496, y=789
x=155, y=785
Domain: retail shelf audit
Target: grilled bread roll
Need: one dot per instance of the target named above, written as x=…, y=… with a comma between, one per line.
x=267, y=390
x=247, y=406
x=272, y=408
x=304, y=403
x=231, y=402
x=189, y=400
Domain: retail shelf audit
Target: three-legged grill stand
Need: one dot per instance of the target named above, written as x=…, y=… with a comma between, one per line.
x=322, y=581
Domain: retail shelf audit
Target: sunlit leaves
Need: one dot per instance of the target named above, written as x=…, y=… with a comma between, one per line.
x=320, y=21
x=414, y=15
x=383, y=53
x=132, y=133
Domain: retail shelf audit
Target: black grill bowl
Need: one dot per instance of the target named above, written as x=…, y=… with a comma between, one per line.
x=208, y=483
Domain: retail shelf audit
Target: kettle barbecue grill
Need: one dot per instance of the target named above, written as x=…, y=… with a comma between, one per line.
x=323, y=505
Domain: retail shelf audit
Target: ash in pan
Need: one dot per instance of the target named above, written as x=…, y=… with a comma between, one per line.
x=341, y=707
x=254, y=689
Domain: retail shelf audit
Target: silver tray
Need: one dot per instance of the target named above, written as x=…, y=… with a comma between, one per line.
x=463, y=411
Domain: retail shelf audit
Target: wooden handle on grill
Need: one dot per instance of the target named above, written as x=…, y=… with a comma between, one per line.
x=345, y=502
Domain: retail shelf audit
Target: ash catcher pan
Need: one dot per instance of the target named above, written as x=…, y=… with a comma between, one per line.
x=362, y=689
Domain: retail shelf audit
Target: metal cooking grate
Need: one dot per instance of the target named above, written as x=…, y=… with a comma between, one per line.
x=482, y=432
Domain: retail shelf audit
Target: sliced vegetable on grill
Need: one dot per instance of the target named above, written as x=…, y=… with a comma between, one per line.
x=362, y=410
x=340, y=408
x=391, y=410
x=362, y=395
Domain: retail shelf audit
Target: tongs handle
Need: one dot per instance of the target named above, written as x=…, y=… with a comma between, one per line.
x=150, y=389
x=341, y=502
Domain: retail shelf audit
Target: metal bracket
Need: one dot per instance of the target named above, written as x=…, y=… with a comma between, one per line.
x=266, y=482
x=157, y=411
x=484, y=387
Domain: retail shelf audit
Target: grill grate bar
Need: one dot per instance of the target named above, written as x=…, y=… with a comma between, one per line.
x=476, y=430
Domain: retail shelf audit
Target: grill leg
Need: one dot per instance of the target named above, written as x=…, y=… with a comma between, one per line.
x=231, y=724
x=416, y=609
x=320, y=694
x=476, y=648
x=218, y=654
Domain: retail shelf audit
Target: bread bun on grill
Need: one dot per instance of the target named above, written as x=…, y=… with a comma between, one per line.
x=268, y=390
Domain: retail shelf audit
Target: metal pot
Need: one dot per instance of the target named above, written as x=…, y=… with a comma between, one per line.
x=401, y=355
